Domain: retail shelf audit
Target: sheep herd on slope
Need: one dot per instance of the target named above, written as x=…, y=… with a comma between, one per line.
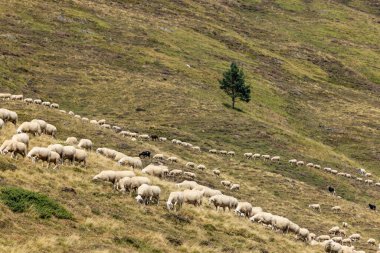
x=189, y=191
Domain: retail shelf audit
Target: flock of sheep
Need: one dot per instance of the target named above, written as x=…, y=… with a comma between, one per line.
x=189, y=191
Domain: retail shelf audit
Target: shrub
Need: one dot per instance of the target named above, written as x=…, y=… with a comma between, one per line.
x=19, y=200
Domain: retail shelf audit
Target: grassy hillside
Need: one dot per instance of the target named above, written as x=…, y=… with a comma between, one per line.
x=314, y=73
x=106, y=221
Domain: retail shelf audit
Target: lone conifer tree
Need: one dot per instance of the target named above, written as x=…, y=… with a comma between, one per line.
x=233, y=83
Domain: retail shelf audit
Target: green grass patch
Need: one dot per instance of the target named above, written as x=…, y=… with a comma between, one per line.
x=20, y=200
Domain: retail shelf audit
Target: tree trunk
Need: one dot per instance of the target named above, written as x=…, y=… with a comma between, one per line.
x=233, y=102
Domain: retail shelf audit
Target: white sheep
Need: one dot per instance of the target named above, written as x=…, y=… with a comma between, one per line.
x=158, y=156
x=275, y=159
x=371, y=241
x=193, y=197
x=224, y=201
x=109, y=153
x=333, y=247
x=256, y=156
x=300, y=163
x=15, y=148
x=175, y=173
x=17, y=97
x=23, y=137
x=347, y=241
x=37, y=101
x=310, y=165
x=112, y=175
x=68, y=153
x=201, y=167
x=190, y=165
x=102, y=122
x=144, y=194
x=223, y=152
x=345, y=224
x=196, y=148
x=248, y=155
x=216, y=172
x=54, y=105
x=213, y=151
x=175, y=201
x=46, y=103
x=315, y=207
x=94, y=121
x=172, y=159
x=51, y=130
x=187, y=185
x=29, y=127
x=337, y=239
x=39, y=153
x=317, y=166
x=266, y=157
x=189, y=175
x=303, y=233
x=244, y=209
x=162, y=138
x=355, y=237
x=293, y=161
x=1, y=123
x=55, y=158
x=322, y=238
x=85, y=144
x=143, y=137
x=134, y=162
x=42, y=124
x=155, y=170
x=262, y=217
x=226, y=183
x=207, y=192
x=334, y=230
x=280, y=223
x=56, y=148
x=336, y=209
x=235, y=187
x=231, y=153
x=131, y=183
x=80, y=156
x=71, y=141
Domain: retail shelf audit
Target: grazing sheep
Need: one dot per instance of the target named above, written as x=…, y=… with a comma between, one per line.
x=113, y=176
x=368, y=175
x=223, y=152
x=28, y=100
x=8, y=116
x=347, y=241
x=51, y=130
x=175, y=173
x=134, y=162
x=42, y=124
x=337, y=239
x=322, y=238
x=80, y=156
x=244, y=209
x=213, y=151
x=46, y=103
x=68, y=153
x=38, y=153
x=175, y=201
x=300, y=163
x=85, y=119
x=316, y=207
x=148, y=194
x=158, y=156
x=371, y=241
x=172, y=159
x=162, y=139
x=256, y=210
x=368, y=181
x=293, y=161
x=345, y=224
x=71, y=113
x=37, y=101
x=71, y=141
x=17, y=97
x=193, y=197
x=201, y=167
x=303, y=233
x=235, y=187
x=23, y=137
x=196, y=148
x=55, y=158
x=106, y=126
x=143, y=137
x=275, y=159
x=187, y=185
x=224, y=201
x=190, y=165
x=216, y=172
x=256, y=156
x=248, y=155
x=226, y=183
x=333, y=247
x=56, y=148
x=231, y=153
x=85, y=144
x=1, y=123
x=355, y=237
x=15, y=148
x=189, y=175
x=280, y=223
x=336, y=209
x=155, y=170
x=262, y=217
x=127, y=184
x=317, y=166
x=265, y=157
x=29, y=127
x=109, y=153
x=54, y=105
x=207, y=192
x=94, y=121
x=102, y=122
x=5, y=96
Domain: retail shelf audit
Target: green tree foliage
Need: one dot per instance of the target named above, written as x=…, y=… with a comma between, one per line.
x=233, y=83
